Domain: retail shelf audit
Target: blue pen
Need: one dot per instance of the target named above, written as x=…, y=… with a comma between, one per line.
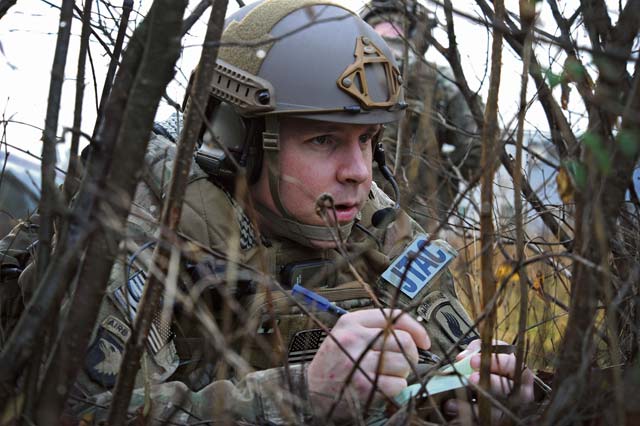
x=314, y=300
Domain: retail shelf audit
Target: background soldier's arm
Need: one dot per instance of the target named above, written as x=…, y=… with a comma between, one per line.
x=459, y=129
x=16, y=250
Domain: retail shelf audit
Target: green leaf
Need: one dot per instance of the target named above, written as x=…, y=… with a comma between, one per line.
x=578, y=172
x=553, y=78
x=593, y=142
x=574, y=69
x=628, y=142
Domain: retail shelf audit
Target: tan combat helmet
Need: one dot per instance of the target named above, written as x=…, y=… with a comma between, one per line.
x=312, y=59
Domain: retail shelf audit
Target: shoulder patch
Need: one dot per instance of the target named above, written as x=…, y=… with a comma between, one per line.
x=105, y=353
x=418, y=265
x=117, y=327
x=437, y=307
x=305, y=344
x=128, y=297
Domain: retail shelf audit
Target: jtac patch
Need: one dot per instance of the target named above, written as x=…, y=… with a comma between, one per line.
x=418, y=265
x=105, y=353
x=437, y=307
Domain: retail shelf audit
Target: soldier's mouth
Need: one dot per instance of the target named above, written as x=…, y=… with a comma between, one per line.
x=346, y=212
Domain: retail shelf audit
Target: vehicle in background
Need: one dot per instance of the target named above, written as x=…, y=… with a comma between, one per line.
x=19, y=188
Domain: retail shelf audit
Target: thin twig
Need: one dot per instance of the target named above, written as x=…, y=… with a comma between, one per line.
x=73, y=169
x=487, y=237
x=527, y=17
x=127, y=6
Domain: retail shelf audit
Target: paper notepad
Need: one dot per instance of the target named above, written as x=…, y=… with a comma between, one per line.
x=449, y=377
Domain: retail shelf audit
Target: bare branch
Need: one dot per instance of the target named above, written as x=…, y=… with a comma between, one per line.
x=198, y=11
x=597, y=21
x=527, y=17
x=489, y=149
x=70, y=183
x=474, y=106
x=157, y=40
x=5, y=5
x=48, y=197
x=171, y=214
x=127, y=5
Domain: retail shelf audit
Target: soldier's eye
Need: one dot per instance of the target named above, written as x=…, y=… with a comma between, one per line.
x=321, y=140
x=365, y=138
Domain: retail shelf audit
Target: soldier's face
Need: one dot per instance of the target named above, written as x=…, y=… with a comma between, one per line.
x=319, y=157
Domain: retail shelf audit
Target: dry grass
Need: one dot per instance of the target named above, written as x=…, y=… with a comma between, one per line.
x=548, y=295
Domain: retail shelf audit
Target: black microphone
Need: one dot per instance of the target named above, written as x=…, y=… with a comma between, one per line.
x=383, y=217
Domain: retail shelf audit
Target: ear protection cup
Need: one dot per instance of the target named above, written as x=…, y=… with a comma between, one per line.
x=241, y=137
x=209, y=111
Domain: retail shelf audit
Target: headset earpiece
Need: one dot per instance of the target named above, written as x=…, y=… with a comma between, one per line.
x=222, y=137
x=383, y=217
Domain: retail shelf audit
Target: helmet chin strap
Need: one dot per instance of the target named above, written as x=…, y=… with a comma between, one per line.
x=300, y=232
x=285, y=224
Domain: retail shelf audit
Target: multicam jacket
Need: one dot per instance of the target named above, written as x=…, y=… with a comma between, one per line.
x=237, y=346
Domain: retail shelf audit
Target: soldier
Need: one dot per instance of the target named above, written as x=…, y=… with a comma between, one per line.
x=300, y=114
x=438, y=136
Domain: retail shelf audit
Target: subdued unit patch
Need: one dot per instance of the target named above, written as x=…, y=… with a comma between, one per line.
x=438, y=308
x=117, y=327
x=254, y=29
x=105, y=353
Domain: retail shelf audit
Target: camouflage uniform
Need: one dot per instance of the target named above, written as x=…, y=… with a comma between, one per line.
x=425, y=169
x=180, y=364
x=229, y=316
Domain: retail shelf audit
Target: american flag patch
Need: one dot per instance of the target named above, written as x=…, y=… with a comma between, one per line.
x=128, y=297
x=305, y=344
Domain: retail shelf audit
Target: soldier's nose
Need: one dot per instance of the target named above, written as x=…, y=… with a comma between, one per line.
x=354, y=167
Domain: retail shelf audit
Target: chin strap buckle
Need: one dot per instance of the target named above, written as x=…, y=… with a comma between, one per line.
x=270, y=141
x=271, y=136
